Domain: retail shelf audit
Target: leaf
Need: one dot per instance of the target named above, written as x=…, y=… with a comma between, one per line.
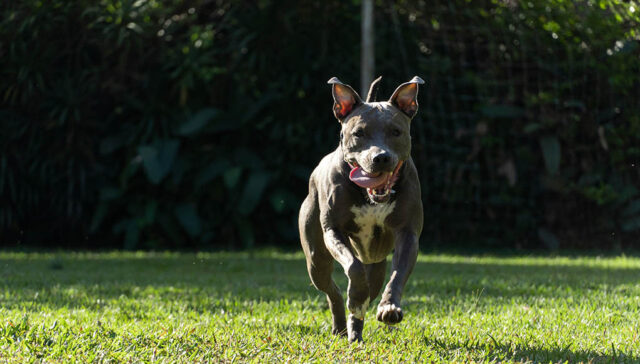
x=576, y=104
x=548, y=238
x=187, y=215
x=551, y=153
x=254, y=108
x=629, y=46
x=120, y=226
x=110, y=193
x=245, y=230
x=231, y=176
x=169, y=226
x=502, y=111
x=131, y=236
x=627, y=192
x=631, y=224
x=252, y=193
x=211, y=171
x=149, y=213
x=3, y=170
x=180, y=166
x=98, y=216
x=603, y=138
x=198, y=121
x=158, y=158
x=531, y=127
x=301, y=171
x=248, y=158
x=112, y=143
x=508, y=169
x=135, y=27
x=632, y=209
x=282, y=200
x=153, y=168
x=226, y=125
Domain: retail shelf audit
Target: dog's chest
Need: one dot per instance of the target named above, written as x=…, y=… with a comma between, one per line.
x=373, y=240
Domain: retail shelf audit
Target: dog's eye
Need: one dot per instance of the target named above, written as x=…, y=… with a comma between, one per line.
x=396, y=132
x=358, y=133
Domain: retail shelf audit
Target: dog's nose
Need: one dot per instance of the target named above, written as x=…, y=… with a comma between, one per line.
x=381, y=158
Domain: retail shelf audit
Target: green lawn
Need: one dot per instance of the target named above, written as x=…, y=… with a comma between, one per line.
x=236, y=307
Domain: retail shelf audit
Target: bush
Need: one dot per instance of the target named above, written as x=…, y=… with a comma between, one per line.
x=148, y=124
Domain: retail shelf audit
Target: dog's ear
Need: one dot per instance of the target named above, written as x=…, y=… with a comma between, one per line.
x=344, y=97
x=373, y=90
x=405, y=97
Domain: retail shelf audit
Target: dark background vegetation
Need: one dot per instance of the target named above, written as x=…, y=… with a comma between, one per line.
x=195, y=124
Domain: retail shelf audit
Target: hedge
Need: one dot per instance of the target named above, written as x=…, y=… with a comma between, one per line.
x=195, y=124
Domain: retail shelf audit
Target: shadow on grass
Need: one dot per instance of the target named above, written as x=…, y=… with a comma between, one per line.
x=212, y=282
x=236, y=283
x=524, y=353
x=511, y=280
x=78, y=281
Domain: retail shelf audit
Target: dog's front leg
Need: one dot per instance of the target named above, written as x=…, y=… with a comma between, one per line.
x=404, y=259
x=358, y=291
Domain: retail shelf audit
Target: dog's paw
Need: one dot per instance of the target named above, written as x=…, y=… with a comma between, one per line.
x=389, y=313
x=339, y=331
x=355, y=337
x=354, y=329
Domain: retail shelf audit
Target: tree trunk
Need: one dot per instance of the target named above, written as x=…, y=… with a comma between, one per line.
x=367, y=55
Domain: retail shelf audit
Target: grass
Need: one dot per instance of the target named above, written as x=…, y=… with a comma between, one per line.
x=240, y=307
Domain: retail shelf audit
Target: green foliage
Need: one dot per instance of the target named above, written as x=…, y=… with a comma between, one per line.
x=148, y=124
x=259, y=307
x=530, y=130
x=551, y=153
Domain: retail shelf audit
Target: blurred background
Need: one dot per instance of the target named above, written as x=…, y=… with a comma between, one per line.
x=196, y=124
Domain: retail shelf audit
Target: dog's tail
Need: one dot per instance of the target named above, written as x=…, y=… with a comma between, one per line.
x=373, y=90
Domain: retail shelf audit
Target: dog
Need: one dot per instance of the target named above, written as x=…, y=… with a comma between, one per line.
x=364, y=202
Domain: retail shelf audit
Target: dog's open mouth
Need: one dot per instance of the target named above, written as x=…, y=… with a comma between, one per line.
x=378, y=184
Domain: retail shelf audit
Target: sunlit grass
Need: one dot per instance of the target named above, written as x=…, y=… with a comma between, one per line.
x=223, y=307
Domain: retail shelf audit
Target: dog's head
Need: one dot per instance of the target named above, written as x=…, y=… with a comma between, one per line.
x=375, y=136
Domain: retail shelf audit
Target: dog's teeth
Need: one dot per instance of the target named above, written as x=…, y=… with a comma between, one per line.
x=382, y=193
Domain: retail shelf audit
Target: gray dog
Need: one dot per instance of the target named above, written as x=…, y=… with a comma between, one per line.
x=364, y=201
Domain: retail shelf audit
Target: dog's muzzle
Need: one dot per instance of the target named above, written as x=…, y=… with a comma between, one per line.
x=379, y=185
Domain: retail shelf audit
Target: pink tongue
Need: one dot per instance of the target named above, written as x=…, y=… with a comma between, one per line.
x=362, y=179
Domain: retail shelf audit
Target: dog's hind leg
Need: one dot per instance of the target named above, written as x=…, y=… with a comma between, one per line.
x=320, y=262
x=321, y=278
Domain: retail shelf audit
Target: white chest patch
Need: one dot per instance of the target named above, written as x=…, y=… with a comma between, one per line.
x=367, y=217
